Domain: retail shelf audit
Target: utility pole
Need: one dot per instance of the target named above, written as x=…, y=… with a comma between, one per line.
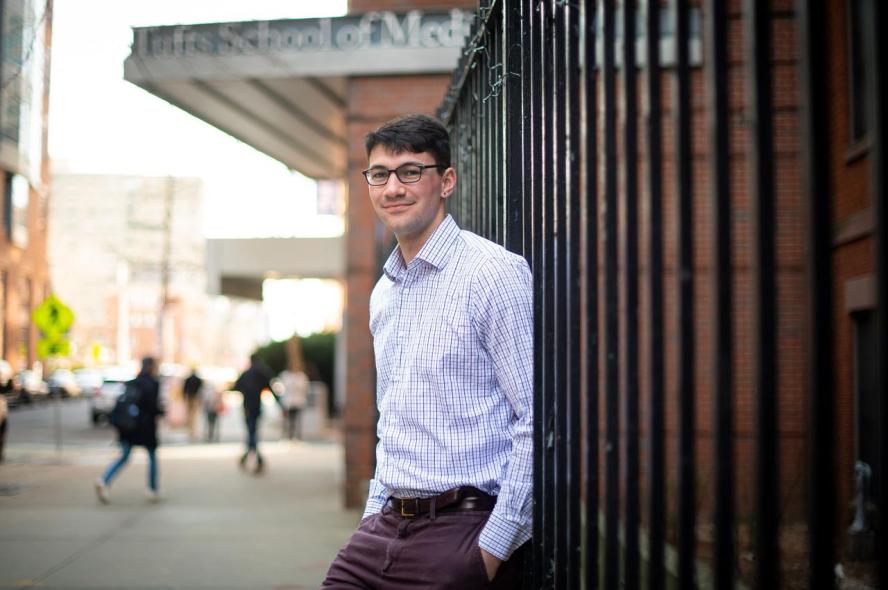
x=165, y=266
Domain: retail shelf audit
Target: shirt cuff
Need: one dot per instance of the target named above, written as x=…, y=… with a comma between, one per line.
x=375, y=499
x=501, y=537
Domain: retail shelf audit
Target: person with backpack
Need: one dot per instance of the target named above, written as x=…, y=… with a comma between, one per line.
x=135, y=418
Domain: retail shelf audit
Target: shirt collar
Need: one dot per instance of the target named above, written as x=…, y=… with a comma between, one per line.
x=436, y=251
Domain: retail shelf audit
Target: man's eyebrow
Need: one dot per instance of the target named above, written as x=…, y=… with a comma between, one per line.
x=414, y=162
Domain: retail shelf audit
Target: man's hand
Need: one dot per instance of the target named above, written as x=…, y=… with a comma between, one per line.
x=491, y=564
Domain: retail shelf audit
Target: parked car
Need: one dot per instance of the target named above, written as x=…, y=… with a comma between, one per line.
x=62, y=383
x=88, y=380
x=30, y=386
x=102, y=400
x=7, y=386
x=4, y=416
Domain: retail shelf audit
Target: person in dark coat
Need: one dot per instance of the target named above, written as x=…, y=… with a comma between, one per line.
x=191, y=391
x=251, y=384
x=145, y=434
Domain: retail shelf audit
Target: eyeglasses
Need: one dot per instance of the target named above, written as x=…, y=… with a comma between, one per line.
x=406, y=173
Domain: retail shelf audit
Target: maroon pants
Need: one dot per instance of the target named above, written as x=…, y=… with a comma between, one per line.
x=390, y=552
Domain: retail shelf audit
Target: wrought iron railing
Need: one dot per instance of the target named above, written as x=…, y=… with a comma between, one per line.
x=664, y=312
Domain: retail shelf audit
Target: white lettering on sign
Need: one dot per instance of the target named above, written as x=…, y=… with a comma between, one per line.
x=381, y=29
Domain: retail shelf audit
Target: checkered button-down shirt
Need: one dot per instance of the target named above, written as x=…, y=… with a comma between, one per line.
x=453, y=338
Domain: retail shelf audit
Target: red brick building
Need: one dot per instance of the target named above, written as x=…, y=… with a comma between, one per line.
x=26, y=36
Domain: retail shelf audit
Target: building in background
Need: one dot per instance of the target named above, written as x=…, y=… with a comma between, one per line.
x=306, y=92
x=127, y=254
x=25, y=39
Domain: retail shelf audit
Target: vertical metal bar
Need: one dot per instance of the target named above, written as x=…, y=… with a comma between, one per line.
x=514, y=127
x=761, y=181
x=557, y=155
x=716, y=71
x=685, y=237
x=656, y=436
x=590, y=231
x=572, y=263
x=548, y=262
x=526, y=133
x=816, y=177
x=611, y=308
x=630, y=285
x=877, y=55
x=542, y=500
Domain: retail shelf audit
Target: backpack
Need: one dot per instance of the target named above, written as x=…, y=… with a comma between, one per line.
x=126, y=413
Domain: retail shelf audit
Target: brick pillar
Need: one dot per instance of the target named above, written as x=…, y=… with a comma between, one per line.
x=371, y=102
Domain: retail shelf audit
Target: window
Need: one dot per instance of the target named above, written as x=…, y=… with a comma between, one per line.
x=859, y=85
x=866, y=396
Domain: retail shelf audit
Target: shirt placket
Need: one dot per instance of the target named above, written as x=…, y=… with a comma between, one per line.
x=402, y=324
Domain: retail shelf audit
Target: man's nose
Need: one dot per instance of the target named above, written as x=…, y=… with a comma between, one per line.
x=393, y=186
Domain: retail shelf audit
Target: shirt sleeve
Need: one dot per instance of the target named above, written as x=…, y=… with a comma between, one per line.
x=503, y=317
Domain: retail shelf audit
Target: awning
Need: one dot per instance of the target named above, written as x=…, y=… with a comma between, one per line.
x=282, y=86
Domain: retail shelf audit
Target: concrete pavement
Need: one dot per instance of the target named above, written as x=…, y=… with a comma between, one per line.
x=216, y=527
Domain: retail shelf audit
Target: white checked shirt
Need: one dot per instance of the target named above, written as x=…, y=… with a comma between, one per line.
x=453, y=338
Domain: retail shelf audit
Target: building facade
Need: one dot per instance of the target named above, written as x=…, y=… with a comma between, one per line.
x=25, y=39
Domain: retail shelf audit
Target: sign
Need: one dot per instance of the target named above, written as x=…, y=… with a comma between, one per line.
x=54, y=319
x=382, y=29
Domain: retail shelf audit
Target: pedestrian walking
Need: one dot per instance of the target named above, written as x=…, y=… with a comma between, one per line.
x=251, y=384
x=191, y=393
x=144, y=394
x=295, y=394
x=214, y=406
x=450, y=504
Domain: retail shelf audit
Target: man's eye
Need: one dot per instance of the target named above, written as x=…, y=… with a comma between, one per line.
x=378, y=174
x=410, y=172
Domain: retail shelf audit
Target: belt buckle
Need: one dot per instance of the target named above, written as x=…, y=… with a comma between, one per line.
x=415, y=503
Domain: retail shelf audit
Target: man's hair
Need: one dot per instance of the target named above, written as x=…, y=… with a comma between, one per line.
x=148, y=364
x=412, y=133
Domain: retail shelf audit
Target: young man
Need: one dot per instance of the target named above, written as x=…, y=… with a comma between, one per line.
x=451, y=319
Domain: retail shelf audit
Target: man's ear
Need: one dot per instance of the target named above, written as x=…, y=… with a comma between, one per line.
x=448, y=182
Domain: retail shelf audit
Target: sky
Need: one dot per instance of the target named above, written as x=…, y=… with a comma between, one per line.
x=100, y=123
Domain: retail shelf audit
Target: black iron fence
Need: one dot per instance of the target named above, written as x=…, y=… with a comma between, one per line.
x=672, y=214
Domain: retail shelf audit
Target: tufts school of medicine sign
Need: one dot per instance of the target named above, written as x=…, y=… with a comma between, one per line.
x=373, y=30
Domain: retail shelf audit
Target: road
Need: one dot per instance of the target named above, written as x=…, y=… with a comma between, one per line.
x=216, y=527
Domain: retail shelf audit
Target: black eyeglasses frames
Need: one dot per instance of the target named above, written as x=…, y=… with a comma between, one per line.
x=406, y=173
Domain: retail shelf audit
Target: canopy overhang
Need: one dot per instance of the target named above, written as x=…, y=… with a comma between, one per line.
x=282, y=86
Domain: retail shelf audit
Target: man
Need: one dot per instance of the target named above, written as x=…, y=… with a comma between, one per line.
x=144, y=433
x=451, y=318
x=251, y=384
x=191, y=392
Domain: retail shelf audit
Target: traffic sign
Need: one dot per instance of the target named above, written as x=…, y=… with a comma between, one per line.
x=53, y=317
x=47, y=347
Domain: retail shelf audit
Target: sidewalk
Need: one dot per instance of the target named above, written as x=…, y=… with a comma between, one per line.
x=217, y=527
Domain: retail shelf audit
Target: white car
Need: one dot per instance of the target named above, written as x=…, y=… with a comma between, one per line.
x=102, y=399
x=4, y=412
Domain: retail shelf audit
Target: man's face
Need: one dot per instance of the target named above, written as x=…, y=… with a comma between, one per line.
x=410, y=210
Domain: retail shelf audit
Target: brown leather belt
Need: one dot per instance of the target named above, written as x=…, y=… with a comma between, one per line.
x=463, y=499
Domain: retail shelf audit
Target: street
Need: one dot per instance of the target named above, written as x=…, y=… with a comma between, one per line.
x=215, y=527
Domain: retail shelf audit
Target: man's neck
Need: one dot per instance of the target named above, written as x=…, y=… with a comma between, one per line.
x=410, y=246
